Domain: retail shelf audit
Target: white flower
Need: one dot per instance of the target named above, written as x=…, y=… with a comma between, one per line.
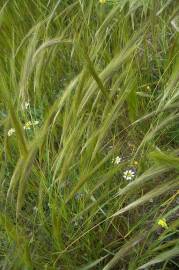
x=117, y=160
x=28, y=125
x=26, y=105
x=35, y=123
x=129, y=174
x=11, y=131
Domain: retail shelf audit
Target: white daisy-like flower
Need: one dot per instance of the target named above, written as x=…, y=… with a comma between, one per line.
x=117, y=160
x=11, y=131
x=129, y=175
x=28, y=125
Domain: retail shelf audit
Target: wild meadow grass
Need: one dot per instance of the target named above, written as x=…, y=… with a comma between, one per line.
x=89, y=134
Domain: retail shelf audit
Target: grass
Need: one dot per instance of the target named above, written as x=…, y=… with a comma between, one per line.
x=82, y=83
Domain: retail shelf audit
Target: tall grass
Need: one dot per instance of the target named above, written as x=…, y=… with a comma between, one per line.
x=82, y=83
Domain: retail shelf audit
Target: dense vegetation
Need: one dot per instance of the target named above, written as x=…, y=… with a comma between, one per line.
x=89, y=134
